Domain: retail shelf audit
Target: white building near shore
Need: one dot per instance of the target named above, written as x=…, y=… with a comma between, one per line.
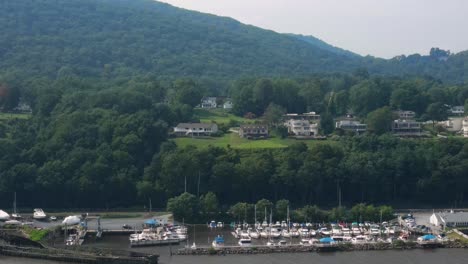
x=450, y=219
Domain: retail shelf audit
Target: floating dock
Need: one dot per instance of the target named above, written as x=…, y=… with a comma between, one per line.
x=154, y=242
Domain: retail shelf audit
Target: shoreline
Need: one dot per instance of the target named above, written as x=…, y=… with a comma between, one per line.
x=297, y=248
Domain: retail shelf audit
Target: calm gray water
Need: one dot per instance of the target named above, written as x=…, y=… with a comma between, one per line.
x=438, y=256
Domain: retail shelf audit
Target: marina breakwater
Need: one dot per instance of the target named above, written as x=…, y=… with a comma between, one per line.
x=227, y=250
x=14, y=245
x=74, y=256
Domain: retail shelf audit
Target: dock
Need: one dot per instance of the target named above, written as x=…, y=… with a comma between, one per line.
x=154, y=242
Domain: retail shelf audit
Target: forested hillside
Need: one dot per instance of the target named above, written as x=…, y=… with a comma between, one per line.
x=111, y=39
x=117, y=39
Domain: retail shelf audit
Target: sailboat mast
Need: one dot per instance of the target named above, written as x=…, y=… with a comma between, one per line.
x=255, y=214
x=14, y=204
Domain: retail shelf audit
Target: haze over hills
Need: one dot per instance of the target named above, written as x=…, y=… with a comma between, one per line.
x=121, y=38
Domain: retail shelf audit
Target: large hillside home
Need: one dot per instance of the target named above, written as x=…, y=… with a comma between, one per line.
x=352, y=126
x=302, y=128
x=465, y=127
x=253, y=131
x=407, y=128
x=208, y=102
x=195, y=129
x=457, y=110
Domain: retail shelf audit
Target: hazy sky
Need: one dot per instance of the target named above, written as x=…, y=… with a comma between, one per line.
x=383, y=28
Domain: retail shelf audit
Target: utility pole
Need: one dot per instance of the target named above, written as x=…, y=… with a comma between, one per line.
x=185, y=184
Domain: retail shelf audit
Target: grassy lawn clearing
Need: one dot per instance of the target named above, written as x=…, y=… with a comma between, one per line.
x=219, y=116
x=233, y=140
x=8, y=116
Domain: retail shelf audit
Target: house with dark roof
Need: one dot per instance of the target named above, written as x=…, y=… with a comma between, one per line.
x=195, y=129
x=253, y=131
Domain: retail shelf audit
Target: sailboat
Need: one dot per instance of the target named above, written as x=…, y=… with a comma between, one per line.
x=15, y=214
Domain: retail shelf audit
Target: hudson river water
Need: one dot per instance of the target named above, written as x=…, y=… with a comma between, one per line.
x=437, y=256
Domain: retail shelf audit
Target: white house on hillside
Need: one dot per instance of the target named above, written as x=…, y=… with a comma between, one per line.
x=208, y=102
x=301, y=127
x=352, y=126
x=457, y=110
x=465, y=127
x=195, y=129
x=407, y=128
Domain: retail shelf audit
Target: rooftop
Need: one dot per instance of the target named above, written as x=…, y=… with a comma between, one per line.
x=195, y=125
x=455, y=217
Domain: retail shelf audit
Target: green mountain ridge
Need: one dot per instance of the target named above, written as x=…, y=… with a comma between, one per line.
x=124, y=38
x=323, y=45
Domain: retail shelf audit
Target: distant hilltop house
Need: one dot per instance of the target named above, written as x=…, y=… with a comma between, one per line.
x=208, y=102
x=457, y=110
x=449, y=219
x=453, y=124
x=301, y=128
x=253, y=131
x=407, y=128
x=228, y=104
x=465, y=127
x=195, y=129
x=405, y=115
x=22, y=108
x=352, y=126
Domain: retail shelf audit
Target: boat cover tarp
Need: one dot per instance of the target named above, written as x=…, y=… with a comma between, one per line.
x=326, y=240
x=428, y=237
x=151, y=222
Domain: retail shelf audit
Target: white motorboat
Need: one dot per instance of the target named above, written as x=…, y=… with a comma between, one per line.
x=294, y=233
x=254, y=234
x=4, y=216
x=270, y=243
x=312, y=232
x=374, y=231
x=265, y=224
x=218, y=242
x=282, y=242
x=71, y=220
x=212, y=224
x=324, y=231
x=304, y=232
x=346, y=231
x=285, y=233
x=245, y=242
x=305, y=242
x=275, y=233
x=12, y=222
x=356, y=231
x=359, y=239
x=145, y=235
x=39, y=214
x=264, y=233
x=336, y=230
x=220, y=225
